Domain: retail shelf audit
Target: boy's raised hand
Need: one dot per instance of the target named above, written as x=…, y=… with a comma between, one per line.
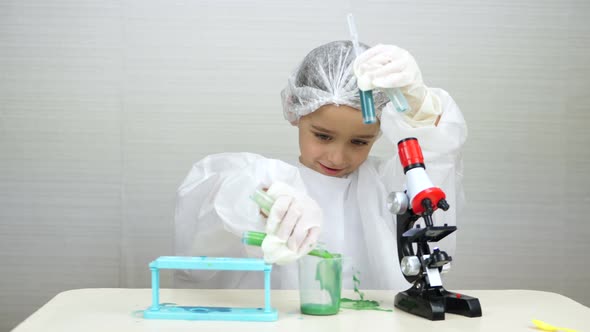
x=386, y=67
x=391, y=67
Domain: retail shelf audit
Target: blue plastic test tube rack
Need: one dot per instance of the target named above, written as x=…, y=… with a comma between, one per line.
x=160, y=311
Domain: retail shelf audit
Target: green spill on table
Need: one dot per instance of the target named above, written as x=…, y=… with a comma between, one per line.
x=361, y=303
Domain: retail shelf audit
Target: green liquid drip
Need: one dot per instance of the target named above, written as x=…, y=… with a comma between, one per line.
x=360, y=304
x=357, y=282
x=329, y=274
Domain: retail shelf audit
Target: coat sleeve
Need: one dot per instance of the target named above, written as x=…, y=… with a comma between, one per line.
x=441, y=146
x=213, y=209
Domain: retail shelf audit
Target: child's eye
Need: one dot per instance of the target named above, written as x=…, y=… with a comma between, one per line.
x=322, y=137
x=359, y=142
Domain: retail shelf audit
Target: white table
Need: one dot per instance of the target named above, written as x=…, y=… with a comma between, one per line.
x=117, y=310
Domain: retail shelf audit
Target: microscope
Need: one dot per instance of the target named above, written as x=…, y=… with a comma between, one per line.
x=421, y=266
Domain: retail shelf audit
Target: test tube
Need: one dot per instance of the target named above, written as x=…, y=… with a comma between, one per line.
x=263, y=200
x=253, y=238
x=367, y=104
x=397, y=99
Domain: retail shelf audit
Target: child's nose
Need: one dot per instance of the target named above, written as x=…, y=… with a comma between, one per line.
x=337, y=156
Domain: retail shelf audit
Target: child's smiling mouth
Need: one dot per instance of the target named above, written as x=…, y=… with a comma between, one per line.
x=329, y=170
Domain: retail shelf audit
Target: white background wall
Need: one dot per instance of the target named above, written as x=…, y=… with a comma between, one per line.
x=105, y=104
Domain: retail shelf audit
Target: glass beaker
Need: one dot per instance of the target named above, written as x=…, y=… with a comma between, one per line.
x=320, y=284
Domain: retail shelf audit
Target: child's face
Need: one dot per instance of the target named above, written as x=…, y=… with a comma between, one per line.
x=334, y=141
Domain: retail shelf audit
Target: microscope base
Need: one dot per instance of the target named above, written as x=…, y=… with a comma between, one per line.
x=433, y=303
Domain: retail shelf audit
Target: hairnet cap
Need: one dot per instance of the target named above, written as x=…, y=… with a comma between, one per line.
x=325, y=76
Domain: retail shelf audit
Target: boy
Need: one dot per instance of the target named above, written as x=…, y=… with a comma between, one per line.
x=335, y=193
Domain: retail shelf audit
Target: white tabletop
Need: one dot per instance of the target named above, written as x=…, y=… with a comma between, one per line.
x=118, y=310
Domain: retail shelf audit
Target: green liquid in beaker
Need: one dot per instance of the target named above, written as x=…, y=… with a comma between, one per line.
x=325, y=273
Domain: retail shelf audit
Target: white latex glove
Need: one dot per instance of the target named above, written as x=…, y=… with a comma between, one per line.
x=293, y=225
x=389, y=67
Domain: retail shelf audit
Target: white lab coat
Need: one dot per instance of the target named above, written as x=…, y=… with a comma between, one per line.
x=214, y=208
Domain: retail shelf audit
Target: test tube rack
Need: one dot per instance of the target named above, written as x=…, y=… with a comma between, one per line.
x=166, y=311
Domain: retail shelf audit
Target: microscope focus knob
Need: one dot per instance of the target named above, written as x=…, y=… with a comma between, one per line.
x=410, y=265
x=438, y=258
x=398, y=202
